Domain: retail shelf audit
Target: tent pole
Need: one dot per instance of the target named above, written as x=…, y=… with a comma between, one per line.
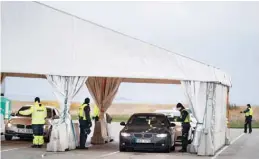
x=228, y=107
x=3, y=86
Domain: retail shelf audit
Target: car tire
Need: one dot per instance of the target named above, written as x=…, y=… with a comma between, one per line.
x=122, y=149
x=168, y=149
x=173, y=148
x=46, y=139
x=8, y=137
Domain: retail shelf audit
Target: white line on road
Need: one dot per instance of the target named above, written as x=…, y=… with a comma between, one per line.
x=13, y=149
x=109, y=154
x=218, y=153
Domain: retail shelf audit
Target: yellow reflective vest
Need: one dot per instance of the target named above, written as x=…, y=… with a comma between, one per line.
x=38, y=113
x=96, y=111
x=81, y=113
x=187, y=119
x=250, y=112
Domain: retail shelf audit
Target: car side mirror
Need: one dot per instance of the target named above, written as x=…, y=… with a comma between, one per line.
x=122, y=123
x=55, y=117
x=172, y=124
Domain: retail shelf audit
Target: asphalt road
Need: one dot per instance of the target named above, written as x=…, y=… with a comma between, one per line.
x=17, y=149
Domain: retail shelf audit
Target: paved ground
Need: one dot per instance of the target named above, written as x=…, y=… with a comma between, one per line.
x=16, y=149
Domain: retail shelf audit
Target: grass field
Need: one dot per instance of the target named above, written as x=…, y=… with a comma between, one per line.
x=121, y=112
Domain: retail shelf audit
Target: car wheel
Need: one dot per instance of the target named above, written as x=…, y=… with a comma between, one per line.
x=173, y=148
x=122, y=149
x=191, y=139
x=168, y=149
x=46, y=139
x=8, y=137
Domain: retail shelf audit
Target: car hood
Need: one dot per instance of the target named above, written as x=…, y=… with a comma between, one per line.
x=144, y=129
x=23, y=120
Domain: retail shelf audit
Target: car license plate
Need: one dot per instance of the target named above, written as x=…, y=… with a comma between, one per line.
x=143, y=141
x=25, y=131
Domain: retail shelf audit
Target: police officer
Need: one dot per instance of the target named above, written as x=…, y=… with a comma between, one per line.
x=85, y=122
x=39, y=114
x=248, y=118
x=185, y=119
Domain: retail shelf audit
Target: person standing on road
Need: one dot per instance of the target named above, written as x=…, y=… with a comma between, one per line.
x=39, y=114
x=248, y=118
x=84, y=122
x=185, y=120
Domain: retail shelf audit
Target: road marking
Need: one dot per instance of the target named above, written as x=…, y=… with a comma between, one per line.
x=223, y=149
x=109, y=154
x=14, y=149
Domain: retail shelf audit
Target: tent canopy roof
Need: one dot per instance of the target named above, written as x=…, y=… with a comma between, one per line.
x=38, y=39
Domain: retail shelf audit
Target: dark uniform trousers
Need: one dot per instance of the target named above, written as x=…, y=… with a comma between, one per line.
x=37, y=129
x=185, y=134
x=84, y=131
x=248, y=121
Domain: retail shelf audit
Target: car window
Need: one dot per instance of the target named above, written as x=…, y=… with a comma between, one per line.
x=49, y=112
x=22, y=109
x=148, y=120
x=54, y=112
x=173, y=119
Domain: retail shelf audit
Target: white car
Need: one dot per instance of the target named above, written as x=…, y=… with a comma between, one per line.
x=20, y=125
x=173, y=115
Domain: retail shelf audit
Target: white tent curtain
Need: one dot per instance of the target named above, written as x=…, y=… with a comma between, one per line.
x=208, y=102
x=63, y=133
x=201, y=99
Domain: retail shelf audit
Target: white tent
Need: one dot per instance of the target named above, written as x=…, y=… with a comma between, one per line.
x=40, y=41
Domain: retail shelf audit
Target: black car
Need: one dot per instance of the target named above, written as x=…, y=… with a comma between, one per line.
x=147, y=131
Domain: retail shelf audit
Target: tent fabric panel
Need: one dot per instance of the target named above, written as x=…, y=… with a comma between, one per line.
x=103, y=91
x=50, y=34
x=159, y=81
x=63, y=134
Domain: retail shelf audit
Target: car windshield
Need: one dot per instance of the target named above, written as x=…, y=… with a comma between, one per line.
x=173, y=119
x=148, y=120
x=49, y=112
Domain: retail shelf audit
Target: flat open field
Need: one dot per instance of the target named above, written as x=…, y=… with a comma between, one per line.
x=121, y=111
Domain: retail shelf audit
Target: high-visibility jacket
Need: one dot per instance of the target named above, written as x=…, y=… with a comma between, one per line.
x=249, y=112
x=96, y=111
x=187, y=119
x=38, y=113
x=81, y=112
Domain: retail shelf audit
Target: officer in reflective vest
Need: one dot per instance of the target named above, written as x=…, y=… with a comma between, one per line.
x=248, y=118
x=96, y=113
x=38, y=113
x=85, y=122
x=185, y=119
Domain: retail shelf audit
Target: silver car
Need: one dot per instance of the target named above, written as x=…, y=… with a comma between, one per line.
x=20, y=125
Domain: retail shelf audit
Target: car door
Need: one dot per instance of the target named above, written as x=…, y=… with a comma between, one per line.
x=171, y=130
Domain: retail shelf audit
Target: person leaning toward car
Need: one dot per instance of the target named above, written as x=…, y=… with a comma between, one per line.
x=39, y=114
x=84, y=122
x=248, y=118
x=185, y=120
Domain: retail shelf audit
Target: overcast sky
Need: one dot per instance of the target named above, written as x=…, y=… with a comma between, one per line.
x=223, y=34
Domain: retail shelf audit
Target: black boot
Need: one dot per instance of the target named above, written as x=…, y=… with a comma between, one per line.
x=34, y=146
x=183, y=150
x=39, y=146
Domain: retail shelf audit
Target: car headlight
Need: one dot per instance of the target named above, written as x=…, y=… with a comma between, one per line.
x=125, y=134
x=9, y=125
x=161, y=135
